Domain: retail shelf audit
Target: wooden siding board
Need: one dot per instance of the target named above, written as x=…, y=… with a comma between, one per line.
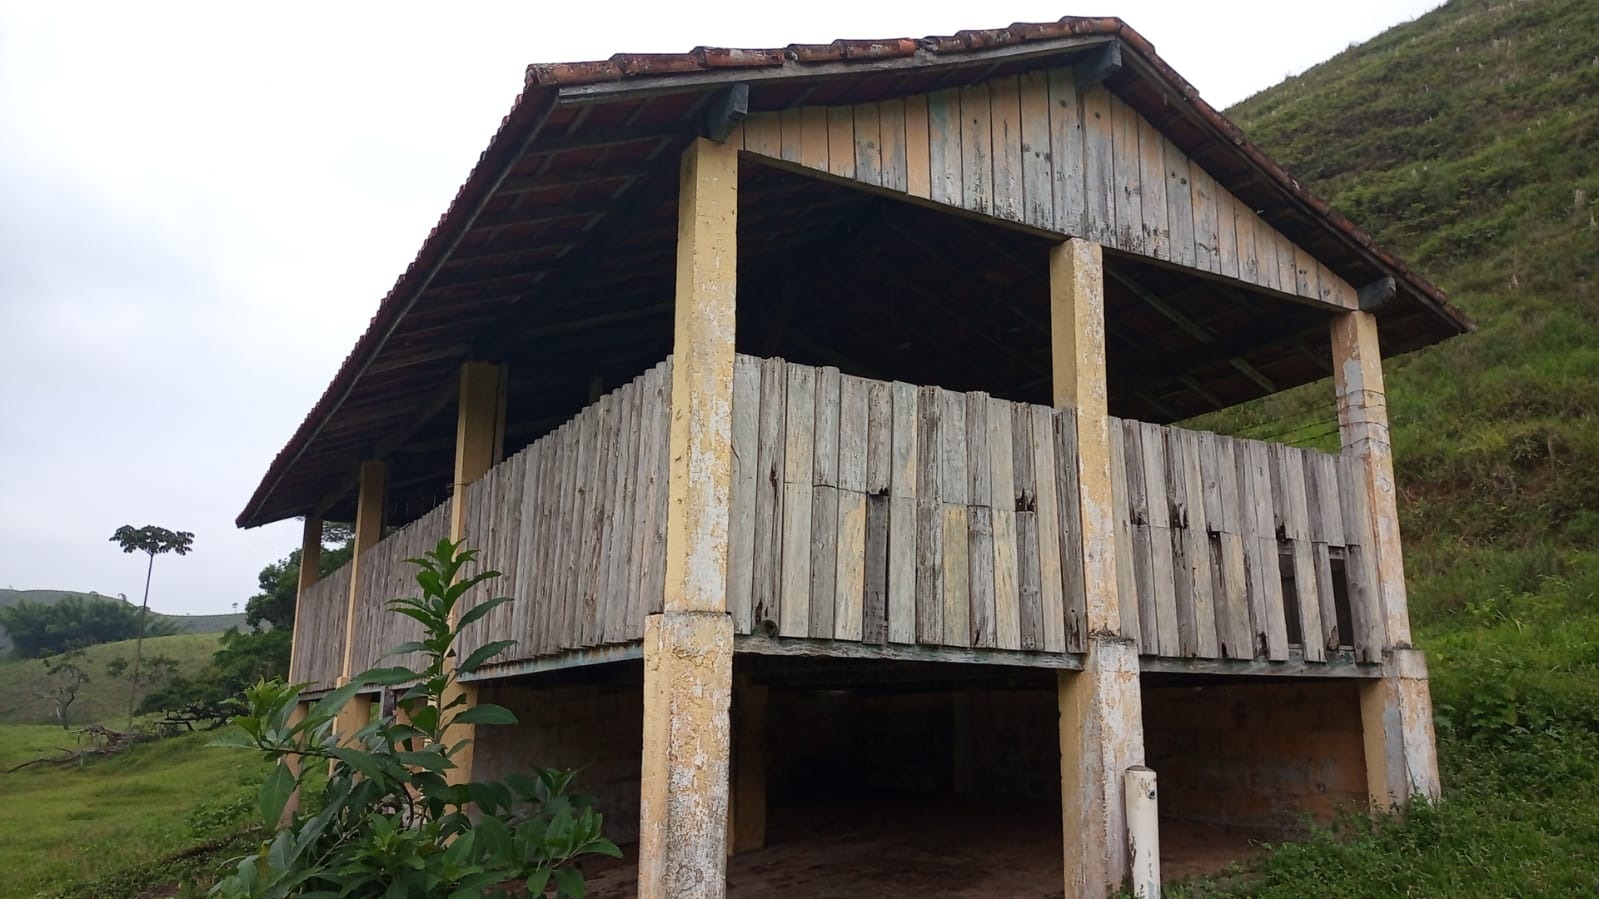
x=1152, y=182
x=1099, y=161
x=770, y=465
x=741, y=530
x=1037, y=168
x=1005, y=128
x=895, y=173
x=918, y=149
x=976, y=141
x=944, y=146
x=798, y=468
x=1180, y=203
x=868, y=135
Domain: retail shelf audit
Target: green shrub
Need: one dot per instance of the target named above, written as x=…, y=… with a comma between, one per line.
x=387, y=821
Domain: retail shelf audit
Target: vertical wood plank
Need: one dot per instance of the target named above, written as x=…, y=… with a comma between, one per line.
x=855, y=433
x=977, y=163
x=944, y=145
x=1177, y=539
x=957, y=575
x=929, y=519
x=952, y=477
x=763, y=135
x=798, y=470
x=1099, y=163
x=868, y=144
x=918, y=151
x=656, y=562
x=1126, y=566
x=1226, y=234
x=978, y=461
x=1000, y=424
x=1073, y=570
x=824, y=421
x=1360, y=563
x=1005, y=129
x=1218, y=466
x=1065, y=156
x=1207, y=237
x=874, y=612
x=1269, y=578
x=1306, y=283
x=770, y=465
x=850, y=577
x=793, y=130
x=825, y=560
x=813, y=137
x=841, y=141
x=891, y=129
x=980, y=574
x=1267, y=253
x=1244, y=220
x=1128, y=189
x=1162, y=566
x=1180, y=206
x=741, y=499
x=1046, y=503
x=901, y=419
x=1038, y=176
x=1285, y=263
x=1152, y=179
x=1197, y=528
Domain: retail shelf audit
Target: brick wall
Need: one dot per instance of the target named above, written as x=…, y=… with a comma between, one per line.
x=599, y=729
x=1260, y=756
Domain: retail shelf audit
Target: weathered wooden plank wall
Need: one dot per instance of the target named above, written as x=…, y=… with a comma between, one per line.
x=385, y=575
x=1036, y=150
x=317, y=657
x=576, y=525
x=1228, y=548
x=876, y=512
x=887, y=513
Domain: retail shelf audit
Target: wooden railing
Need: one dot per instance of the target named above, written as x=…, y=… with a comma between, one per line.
x=317, y=657
x=576, y=523
x=1240, y=549
x=873, y=512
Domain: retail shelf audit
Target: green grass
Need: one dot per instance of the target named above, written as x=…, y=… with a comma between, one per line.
x=113, y=828
x=103, y=700
x=185, y=624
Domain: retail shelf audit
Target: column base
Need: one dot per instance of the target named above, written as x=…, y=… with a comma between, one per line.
x=683, y=807
x=1101, y=736
x=1396, y=717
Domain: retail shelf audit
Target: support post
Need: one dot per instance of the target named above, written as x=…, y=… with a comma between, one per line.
x=479, y=443
x=371, y=502
x=688, y=649
x=1396, y=711
x=310, y=573
x=1101, y=714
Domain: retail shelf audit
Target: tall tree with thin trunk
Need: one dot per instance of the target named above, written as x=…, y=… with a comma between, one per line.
x=151, y=541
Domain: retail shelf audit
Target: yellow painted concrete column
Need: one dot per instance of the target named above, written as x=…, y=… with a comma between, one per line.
x=310, y=573
x=479, y=443
x=371, y=503
x=688, y=650
x=1101, y=713
x=1401, y=750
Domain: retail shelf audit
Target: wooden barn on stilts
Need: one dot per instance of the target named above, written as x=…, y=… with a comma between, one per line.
x=817, y=404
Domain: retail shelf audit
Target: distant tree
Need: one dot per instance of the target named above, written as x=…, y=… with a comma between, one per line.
x=152, y=541
x=67, y=673
x=41, y=629
x=157, y=671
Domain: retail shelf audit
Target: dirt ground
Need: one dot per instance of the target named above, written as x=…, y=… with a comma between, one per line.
x=922, y=848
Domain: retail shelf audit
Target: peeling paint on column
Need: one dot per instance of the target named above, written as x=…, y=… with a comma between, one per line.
x=688, y=683
x=1101, y=736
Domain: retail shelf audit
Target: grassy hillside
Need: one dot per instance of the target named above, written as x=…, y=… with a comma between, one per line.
x=1467, y=141
x=117, y=827
x=103, y=699
x=185, y=624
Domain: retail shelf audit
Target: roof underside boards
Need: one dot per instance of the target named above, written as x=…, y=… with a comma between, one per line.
x=557, y=257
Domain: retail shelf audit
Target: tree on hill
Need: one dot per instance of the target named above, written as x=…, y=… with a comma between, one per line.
x=68, y=672
x=42, y=629
x=152, y=541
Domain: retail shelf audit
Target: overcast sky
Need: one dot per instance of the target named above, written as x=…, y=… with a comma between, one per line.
x=202, y=204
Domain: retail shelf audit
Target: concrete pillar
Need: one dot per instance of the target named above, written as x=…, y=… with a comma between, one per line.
x=1101, y=715
x=688, y=649
x=371, y=503
x=1401, y=752
x=479, y=444
x=310, y=573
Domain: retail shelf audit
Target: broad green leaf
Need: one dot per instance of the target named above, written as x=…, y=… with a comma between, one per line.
x=486, y=713
x=569, y=882
x=275, y=792
x=484, y=653
x=479, y=610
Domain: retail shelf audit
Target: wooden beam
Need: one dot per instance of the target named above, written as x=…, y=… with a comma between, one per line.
x=730, y=108
x=1093, y=67
x=1192, y=328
